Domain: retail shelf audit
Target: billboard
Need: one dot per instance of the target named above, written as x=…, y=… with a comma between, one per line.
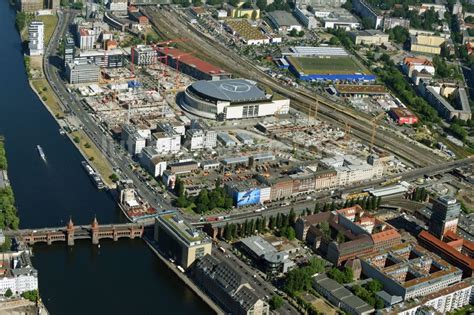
x=249, y=197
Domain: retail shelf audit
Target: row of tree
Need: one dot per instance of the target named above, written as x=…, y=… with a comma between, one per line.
x=206, y=199
x=419, y=194
x=281, y=222
x=342, y=277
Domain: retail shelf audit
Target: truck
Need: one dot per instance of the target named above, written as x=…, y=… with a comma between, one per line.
x=222, y=249
x=180, y=268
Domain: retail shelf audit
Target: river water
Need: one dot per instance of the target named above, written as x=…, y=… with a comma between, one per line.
x=121, y=277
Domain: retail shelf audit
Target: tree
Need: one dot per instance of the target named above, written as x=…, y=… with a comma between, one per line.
x=262, y=4
x=317, y=208
x=374, y=286
x=366, y=23
x=292, y=217
x=276, y=302
x=324, y=228
x=31, y=295
x=8, y=293
x=272, y=223
x=113, y=177
x=227, y=232
x=334, y=41
x=290, y=233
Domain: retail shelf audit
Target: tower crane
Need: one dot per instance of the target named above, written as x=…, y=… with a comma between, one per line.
x=375, y=123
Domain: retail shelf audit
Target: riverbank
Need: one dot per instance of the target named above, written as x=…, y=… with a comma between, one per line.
x=184, y=278
x=40, y=85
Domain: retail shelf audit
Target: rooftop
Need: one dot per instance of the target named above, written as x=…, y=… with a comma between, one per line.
x=361, y=89
x=186, y=58
x=231, y=90
x=283, y=18
x=186, y=232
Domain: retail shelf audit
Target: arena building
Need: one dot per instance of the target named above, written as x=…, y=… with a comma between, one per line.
x=231, y=99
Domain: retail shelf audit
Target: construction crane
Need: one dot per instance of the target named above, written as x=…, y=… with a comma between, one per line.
x=347, y=136
x=178, y=58
x=374, y=121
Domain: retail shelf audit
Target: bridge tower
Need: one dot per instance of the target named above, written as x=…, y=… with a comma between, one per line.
x=95, y=231
x=70, y=232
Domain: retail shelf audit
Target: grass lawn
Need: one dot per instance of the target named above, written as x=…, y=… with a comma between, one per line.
x=332, y=65
x=318, y=304
x=48, y=96
x=99, y=162
x=50, y=22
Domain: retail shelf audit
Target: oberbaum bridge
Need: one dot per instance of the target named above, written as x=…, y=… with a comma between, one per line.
x=70, y=233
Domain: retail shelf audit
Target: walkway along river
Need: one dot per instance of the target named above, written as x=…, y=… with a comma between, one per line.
x=118, y=278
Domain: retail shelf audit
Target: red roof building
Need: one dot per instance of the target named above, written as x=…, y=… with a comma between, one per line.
x=403, y=116
x=448, y=250
x=190, y=65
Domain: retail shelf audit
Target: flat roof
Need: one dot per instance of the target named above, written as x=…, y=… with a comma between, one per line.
x=361, y=89
x=283, y=18
x=231, y=90
x=186, y=232
x=258, y=245
x=318, y=51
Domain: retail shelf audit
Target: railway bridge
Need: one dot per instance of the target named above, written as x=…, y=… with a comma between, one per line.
x=70, y=233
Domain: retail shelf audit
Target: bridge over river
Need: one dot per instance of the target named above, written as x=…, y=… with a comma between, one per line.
x=70, y=233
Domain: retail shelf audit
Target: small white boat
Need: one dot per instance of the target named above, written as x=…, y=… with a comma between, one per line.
x=41, y=152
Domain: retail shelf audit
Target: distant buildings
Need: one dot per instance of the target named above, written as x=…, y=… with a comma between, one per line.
x=333, y=18
x=418, y=68
x=17, y=273
x=305, y=17
x=36, y=38
x=445, y=216
x=144, y=55
x=69, y=50
x=428, y=44
x=409, y=271
x=432, y=93
x=392, y=22
x=118, y=6
x=283, y=21
x=179, y=240
x=365, y=10
x=369, y=37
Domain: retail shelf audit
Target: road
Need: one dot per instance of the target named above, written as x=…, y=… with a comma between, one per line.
x=169, y=25
x=72, y=104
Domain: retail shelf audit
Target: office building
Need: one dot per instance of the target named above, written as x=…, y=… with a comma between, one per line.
x=445, y=216
x=340, y=297
x=200, y=139
x=87, y=37
x=409, y=271
x=403, y=116
x=269, y=258
x=306, y=18
x=248, y=192
x=112, y=58
x=228, y=287
x=36, y=38
x=78, y=73
x=118, y=6
x=153, y=161
x=69, y=50
x=392, y=22
x=165, y=139
x=144, y=55
x=134, y=139
x=179, y=240
x=334, y=18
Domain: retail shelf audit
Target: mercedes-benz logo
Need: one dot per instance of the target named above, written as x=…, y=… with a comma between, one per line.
x=235, y=87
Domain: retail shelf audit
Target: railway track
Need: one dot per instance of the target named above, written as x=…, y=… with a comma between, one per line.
x=168, y=25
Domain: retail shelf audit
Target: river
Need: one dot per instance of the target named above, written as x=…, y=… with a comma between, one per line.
x=121, y=277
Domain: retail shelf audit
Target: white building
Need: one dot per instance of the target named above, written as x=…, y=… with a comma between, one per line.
x=198, y=139
x=351, y=169
x=82, y=72
x=306, y=18
x=133, y=139
x=153, y=161
x=166, y=139
x=336, y=18
x=118, y=6
x=87, y=38
x=144, y=55
x=36, y=38
x=17, y=273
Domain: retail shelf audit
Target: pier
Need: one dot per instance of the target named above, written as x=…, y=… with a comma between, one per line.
x=70, y=233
